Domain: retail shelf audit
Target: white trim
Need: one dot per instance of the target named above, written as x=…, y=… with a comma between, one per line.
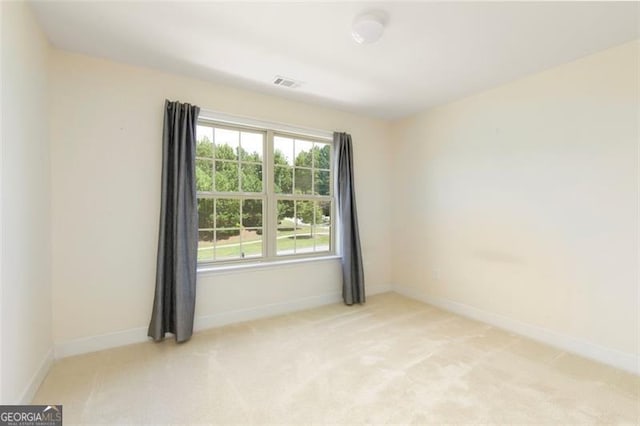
x=139, y=335
x=378, y=289
x=239, y=120
x=615, y=358
x=270, y=310
x=207, y=269
x=100, y=342
x=37, y=379
x=264, y=311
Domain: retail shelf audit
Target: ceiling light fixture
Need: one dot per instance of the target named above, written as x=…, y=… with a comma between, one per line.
x=368, y=28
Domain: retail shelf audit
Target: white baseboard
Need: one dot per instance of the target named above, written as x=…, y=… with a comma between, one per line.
x=138, y=335
x=377, y=289
x=625, y=361
x=264, y=311
x=37, y=379
x=103, y=341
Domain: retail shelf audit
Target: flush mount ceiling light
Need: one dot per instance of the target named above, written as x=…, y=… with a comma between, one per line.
x=368, y=27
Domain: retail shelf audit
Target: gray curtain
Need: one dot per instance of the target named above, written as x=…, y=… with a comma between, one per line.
x=352, y=269
x=175, y=297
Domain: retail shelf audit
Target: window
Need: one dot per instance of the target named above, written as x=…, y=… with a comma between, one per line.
x=262, y=194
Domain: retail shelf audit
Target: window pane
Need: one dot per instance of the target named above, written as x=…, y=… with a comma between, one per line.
x=285, y=237
x=228, y=244
x=204, y=133
x=205, y=246
x=324, y=213
x=227, y=213
x=322, y=156
x=286, y=241
x=322, y=239
x=204, y=175
x=304, y=245
x=304, y=226
x=302, y=181
x=204, y=144
x=251, y=243
x=303, y=153
x=322, y=182
x=205, y=213
x=304, y=213
x=227, y=143
x=283, y=179
x=322, y=230
x=251, y=146
x=282, y=150
x=252, y=213
x=285, y=213
x=226, y=176
x=251, y=177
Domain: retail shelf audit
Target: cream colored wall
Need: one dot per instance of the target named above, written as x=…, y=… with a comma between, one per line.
x=106, y=126
x=522, y=202
x=25, y=257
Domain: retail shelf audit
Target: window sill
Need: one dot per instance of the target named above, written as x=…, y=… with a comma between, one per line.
x=206, y=270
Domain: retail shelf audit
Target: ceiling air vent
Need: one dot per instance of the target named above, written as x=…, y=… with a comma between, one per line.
x=285, y=82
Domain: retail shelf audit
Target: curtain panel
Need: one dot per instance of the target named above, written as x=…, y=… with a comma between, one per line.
x=175, y=293
x=350, y=250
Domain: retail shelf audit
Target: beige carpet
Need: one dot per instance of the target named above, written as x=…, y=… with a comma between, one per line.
x=393, y=360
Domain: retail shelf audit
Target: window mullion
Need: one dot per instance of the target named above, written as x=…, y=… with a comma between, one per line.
x=215, y=231
x=270, y=223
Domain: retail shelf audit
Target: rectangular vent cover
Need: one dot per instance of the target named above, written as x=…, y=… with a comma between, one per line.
x=285, y=82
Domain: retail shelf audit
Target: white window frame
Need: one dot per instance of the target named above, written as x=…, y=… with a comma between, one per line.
x=268, y=195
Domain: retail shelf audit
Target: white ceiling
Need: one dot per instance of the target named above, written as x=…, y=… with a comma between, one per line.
x=431, y=53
